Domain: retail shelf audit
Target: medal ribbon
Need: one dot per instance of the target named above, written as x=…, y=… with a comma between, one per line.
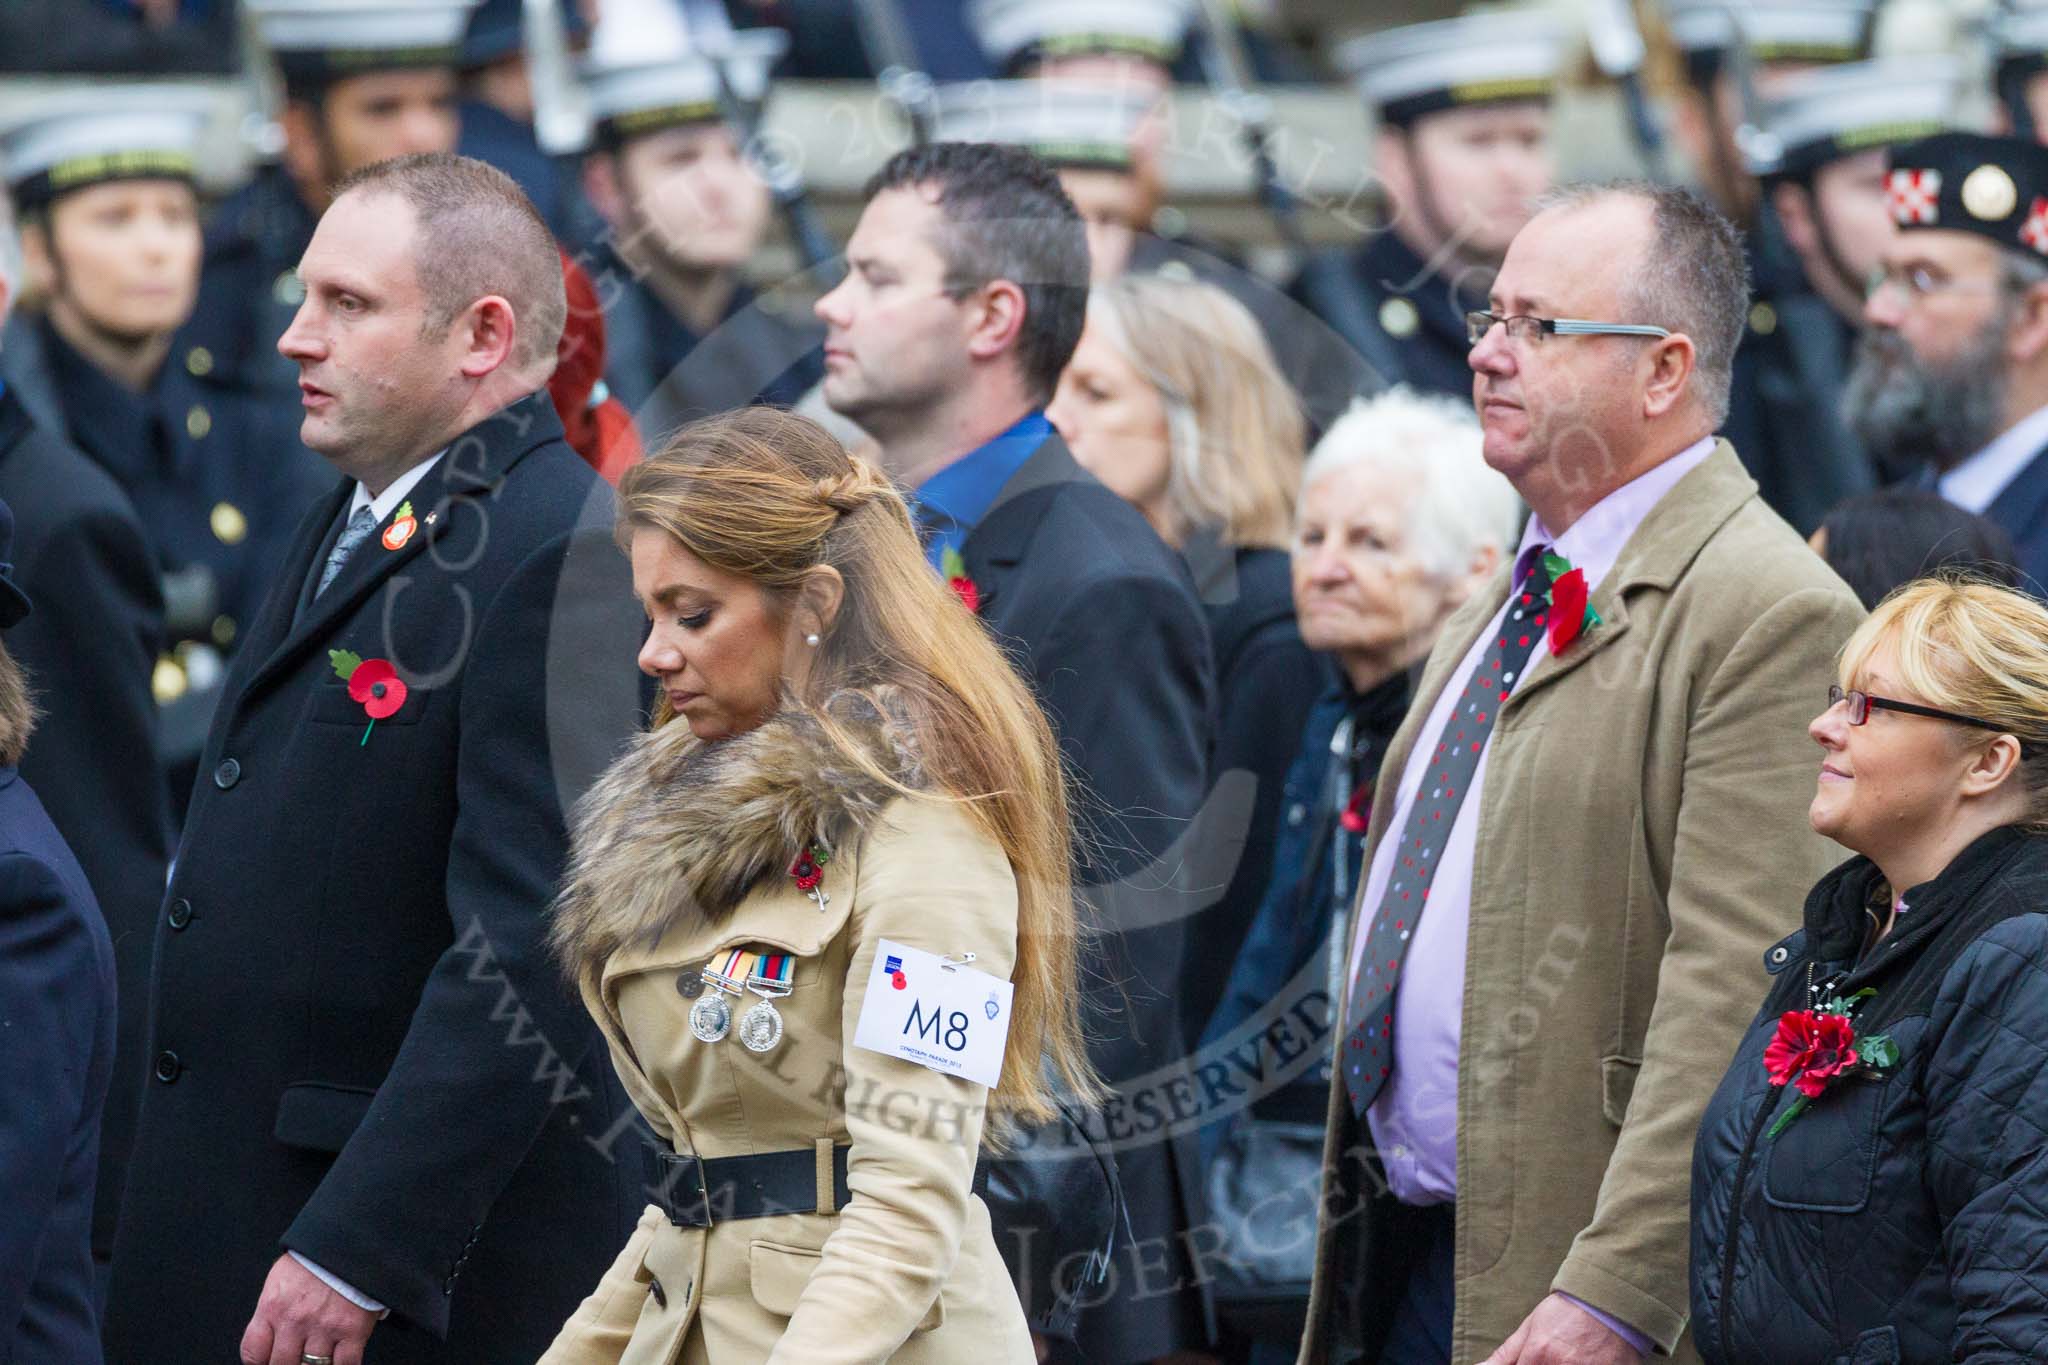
x=771, y=975
x=728, y=970
x=765, y=974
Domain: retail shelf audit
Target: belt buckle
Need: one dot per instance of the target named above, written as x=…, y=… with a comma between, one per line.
x=685, y=1194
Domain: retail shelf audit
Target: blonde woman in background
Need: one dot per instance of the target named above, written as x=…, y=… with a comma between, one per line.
x=1174, y=401
x=844, y=776
x=1869, y=1182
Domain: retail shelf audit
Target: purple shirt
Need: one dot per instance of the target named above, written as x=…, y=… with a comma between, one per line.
x=1414, y=1120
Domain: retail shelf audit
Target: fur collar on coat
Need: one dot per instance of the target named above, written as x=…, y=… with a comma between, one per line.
x=678, y=831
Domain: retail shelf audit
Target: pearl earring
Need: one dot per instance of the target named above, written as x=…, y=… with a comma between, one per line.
x=811, y=640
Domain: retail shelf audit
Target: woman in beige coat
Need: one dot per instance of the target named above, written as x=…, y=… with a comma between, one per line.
x=840, y=756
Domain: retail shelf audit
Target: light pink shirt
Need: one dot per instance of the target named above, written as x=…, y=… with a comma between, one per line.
x=1414, y=1120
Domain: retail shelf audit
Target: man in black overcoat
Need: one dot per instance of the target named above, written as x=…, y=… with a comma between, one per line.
x=81, y=555
x=57, y=1020
x=964, y=300
x=375, y=1120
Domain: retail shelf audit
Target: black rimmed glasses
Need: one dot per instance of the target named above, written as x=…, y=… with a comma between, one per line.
x=1524, y=327
x=1861, y=704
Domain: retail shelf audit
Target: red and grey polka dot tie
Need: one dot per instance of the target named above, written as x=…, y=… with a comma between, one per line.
x=1366, y=1057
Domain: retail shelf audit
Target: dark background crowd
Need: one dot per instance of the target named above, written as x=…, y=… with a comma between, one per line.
x=1289, y=286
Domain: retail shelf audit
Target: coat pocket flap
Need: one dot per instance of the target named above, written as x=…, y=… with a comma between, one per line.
x=320, y=1117
x=1617, y=1086
x=779, y=1274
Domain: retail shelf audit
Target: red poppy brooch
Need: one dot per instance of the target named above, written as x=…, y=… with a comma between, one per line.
x=1568, y=614
x=954, y=570
x=373, y=683
x=401, y=528
x=808, y=872
x=1816, y=1047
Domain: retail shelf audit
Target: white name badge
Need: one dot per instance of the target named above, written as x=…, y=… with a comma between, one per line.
x=938, y=1014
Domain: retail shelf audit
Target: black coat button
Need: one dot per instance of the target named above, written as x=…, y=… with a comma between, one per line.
x=227, y=774
x=181, y=913
x=168, y=1067
x=660, y=1294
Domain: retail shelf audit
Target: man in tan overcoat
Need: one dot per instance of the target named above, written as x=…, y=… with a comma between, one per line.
x=1586, y=834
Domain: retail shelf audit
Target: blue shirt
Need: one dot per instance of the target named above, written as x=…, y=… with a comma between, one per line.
x=952, y=502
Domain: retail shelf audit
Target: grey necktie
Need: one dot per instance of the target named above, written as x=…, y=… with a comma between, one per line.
x=355, y=533
x=1366, y=1059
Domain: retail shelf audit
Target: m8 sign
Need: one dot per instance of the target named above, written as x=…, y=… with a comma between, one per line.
x=935, y=1012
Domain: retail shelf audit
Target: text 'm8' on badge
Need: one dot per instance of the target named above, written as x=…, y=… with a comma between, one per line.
x=943, y=1015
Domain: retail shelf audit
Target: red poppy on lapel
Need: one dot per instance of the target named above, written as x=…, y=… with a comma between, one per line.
x=401, y=528
x=954, y=569
x=372, y=683
x=1568, y=613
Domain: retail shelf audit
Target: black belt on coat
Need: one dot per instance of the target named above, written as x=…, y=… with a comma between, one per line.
x=696, y=1193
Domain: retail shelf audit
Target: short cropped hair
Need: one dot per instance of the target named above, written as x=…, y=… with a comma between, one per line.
x=1432, y=445
x=1007, y=218
x=478, y=235
x=1693, y=277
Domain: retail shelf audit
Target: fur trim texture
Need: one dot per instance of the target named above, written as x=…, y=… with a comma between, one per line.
x=677, y=830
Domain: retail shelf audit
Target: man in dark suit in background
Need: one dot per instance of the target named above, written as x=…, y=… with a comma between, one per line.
x=964, y=301
x=57, y=1016
x=370, y=1092
x=90, y=649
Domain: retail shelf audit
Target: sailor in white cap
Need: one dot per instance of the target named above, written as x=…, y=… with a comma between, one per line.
x=1103, y=40
x=1084, y=130
x=686, y=334
x=2019, y=43
x=103, y=181
x=1819, y=151
x=1777, y=39
x=364, y=81
x=1463, y=149
x=82, y=556
x=1822, y=157
x=1127, y=45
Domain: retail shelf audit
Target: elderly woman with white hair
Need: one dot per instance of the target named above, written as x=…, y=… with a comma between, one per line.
x=1399, y=520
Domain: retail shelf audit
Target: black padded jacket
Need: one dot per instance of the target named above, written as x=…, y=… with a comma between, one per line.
x=1902, y=1217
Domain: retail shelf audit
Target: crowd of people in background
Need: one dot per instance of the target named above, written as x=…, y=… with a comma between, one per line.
x=505, y=701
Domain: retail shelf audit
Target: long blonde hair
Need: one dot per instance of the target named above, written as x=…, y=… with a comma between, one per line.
x=770, y=496
x=1236, y=432
x=1973, y=647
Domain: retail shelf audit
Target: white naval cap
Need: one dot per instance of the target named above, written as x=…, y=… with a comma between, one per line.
x=679, y=85
x=1065, y=122
x=1815, y=117
x=320, y=41
x=1818, y=31
x=2019, y=38
x=87, y=137
x=1419, y=69
x=1015, y=32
